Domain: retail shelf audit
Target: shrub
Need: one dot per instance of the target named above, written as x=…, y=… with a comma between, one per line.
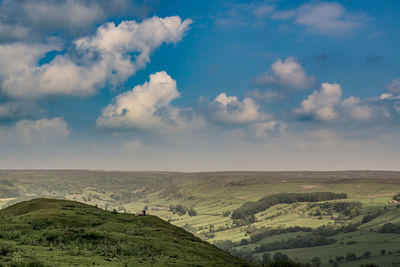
x=316, y=261
x=369, y=217
x=367, y=254
x=351, y=256
x=6, y=249
x=390, y=228
x=192, y=212
x=266, y=258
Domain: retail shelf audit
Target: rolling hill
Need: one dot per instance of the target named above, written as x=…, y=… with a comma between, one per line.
x=49, y=232
x=208, y=204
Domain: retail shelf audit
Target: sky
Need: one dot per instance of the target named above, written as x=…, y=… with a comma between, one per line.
x=175, y=85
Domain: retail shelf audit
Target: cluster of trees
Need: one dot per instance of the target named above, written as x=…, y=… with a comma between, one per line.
x=397, y=197
x=262, y=204
x=263, y=232
x=347, y=209
x=369, y=217
x=349, y=257
x=390, y=228
x=297, y=242
x=181, y=210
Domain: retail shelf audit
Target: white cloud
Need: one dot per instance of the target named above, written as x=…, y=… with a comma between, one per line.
x=287, y=73
x=145, y=107
x=328, y=18
x=355, y=110
x=394, y=87
x=327, y=105
x=321, y=104
x=96, y=61
x=230, y=109
x=35, y=132
x=34, y=20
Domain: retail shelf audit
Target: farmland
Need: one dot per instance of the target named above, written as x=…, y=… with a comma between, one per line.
x=353, y=224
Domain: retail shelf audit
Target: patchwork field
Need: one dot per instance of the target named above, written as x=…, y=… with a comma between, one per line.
x=203, y=203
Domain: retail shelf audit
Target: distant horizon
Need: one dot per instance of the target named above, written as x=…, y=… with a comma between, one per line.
x=210, y=171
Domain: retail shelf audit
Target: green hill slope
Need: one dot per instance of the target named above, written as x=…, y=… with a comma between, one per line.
x=68, y=233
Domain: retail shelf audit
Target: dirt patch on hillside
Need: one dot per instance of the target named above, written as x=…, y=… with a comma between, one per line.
x=310, y=186
x=7, y=199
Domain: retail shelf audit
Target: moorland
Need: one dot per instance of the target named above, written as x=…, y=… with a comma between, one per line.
x=346, y=218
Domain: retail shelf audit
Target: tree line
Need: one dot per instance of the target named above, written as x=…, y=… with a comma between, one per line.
x=251, y=208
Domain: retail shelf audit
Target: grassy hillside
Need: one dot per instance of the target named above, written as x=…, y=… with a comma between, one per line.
x=68, y=233
x=203, y=203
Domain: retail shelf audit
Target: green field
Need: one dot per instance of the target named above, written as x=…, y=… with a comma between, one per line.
x=213, y=196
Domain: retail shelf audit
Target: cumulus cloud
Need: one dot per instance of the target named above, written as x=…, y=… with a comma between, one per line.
x=145, y=107
x=34, y=20
x=231, y=110
x=355, y=109
x=35, y=132
x=95, y=61
x=327, y=105
x=287, y=73
x=328, y=18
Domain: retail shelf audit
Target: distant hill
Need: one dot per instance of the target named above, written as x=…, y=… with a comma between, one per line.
x=68, y=233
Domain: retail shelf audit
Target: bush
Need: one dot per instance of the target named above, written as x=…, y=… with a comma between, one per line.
x=244, y=242
x=351, y=256
x=6, y=249
x=192, y=212
x=297, y=242
x=280, y=257
x=316, y=261
x=369, y=217
x=390, y=228
x=367, y=254
x=181, y=210
x=266, y=258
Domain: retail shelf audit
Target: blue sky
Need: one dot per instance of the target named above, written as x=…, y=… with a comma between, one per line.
x=199, y=86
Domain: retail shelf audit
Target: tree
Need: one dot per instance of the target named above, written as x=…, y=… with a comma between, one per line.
x=192, y=212
x=367, y=254
x=244, y=242
x=383, y=252
x=351, y=256
x=279, y=256
x=266, y=258
x=316, y=261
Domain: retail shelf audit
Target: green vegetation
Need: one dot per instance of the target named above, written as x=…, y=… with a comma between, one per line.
x=251, y=208
x=48, y=232
x=364, y=223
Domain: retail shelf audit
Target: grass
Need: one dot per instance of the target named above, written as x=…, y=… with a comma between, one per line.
x=68, y=233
